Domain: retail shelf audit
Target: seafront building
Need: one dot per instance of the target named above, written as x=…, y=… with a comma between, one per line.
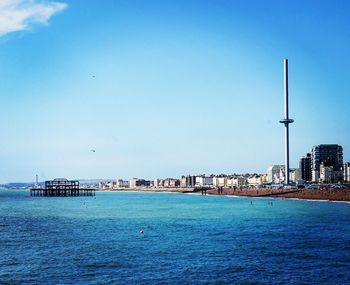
x=171, y=182
x=122, y=183
x=220, y=181
x=256, y=180
x=168, y=183
x=236, y=181
x=329, y=175
x=140, y=183
x=113, y=184
x=331, y=158
x=275, y=173
x=346, y=171
x=107, y=185
x=305, y=168
x=203, y=180
x=294, y=174
x=324, y=164
x=187, y=181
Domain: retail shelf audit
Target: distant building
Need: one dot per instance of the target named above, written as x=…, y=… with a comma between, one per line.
x=275, y=173
x=122, y=183
x=263, y=178
x=230, y=182
x=305, y=168
x=139, y=183
x=102, y=185
x=331, y=155
x=255, y=180
x=158, y=183
x=240, y=181
x=236, y=181
x=220, y=181
x=183, y=181
x=204, y=181
x=171, y=182
x=107, y=184
x=346, y=171
x=188, y=181
x=294, y=174
x=329, y=175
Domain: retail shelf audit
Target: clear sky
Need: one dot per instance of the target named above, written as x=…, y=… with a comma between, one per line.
x=165, y=88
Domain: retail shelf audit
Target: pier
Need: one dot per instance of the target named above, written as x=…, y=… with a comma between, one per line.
x=61, y=187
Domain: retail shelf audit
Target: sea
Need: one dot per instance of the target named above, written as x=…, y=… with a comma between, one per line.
x=167, y=238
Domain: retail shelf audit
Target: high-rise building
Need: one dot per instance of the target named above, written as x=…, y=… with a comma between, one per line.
x=330, y=155
x=305, y=167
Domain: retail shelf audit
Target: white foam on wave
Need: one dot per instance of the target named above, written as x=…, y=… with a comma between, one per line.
x=233, y=196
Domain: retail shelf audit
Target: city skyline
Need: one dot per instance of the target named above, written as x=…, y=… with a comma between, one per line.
x=162, y=88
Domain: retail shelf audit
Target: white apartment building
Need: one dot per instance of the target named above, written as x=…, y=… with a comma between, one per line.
x=204, y=181
x=275, y=173
x=326, y=173
x=236, y=182
x=294, y=174
x=220, y=181
x=255, y=180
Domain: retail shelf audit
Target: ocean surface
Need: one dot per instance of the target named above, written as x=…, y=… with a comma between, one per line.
x=188, y=239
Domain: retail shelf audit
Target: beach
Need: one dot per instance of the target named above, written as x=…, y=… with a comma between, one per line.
x=309, y=194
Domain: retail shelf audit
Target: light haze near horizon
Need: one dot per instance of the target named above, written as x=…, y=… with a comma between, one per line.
x=166, y=88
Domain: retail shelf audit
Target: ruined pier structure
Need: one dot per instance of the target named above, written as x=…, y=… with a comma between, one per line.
x=61, y=187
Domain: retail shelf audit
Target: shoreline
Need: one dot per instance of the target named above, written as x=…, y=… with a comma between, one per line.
x=302, y=194
x=334, y=195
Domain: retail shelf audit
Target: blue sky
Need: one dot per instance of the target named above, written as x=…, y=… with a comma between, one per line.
x=165, y=88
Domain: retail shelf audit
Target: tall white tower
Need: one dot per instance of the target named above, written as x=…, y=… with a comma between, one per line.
x=286, y=121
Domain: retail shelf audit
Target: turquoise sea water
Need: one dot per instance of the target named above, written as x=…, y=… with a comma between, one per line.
x=187, y=239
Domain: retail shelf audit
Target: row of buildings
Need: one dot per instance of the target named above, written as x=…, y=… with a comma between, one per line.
x=324, y=164
x=190, y=181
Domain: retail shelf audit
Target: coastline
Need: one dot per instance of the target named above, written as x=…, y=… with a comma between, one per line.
x=335, y=195
x=302, y=194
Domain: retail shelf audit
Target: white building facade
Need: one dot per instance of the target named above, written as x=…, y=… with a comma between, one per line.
x=204, y=181
x=275, y=173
